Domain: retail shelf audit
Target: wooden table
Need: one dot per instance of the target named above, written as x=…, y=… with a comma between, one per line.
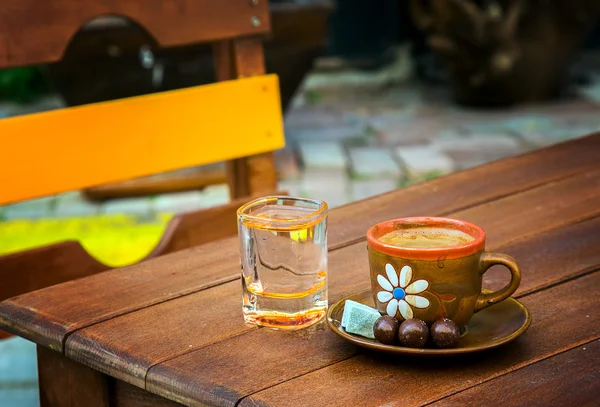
x=171, y=328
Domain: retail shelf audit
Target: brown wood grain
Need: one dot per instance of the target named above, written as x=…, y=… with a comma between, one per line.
x=242, y=365
x=4, y=335
x=27, y=271
x=545, y=259
x=254, y=175
x=47, y=324
x=248, y=55
x=46, y=316
x=571, y=378
x=52, y=22
x=31, y=270
x=237, y=178
x=563, y=318
x=126, y=395
x=223, y=60
x=546, y=207
x=166, y=183
x=467, y=188
x=226, y=69
x=3, y=43
x=262, y=173
x=47, y=321
x=546, y=256
x=111, y=346
x=555, y=260
x=65, y=383
x=365, y=212
x=50, y=25
x=126, y=347
x=298, y=33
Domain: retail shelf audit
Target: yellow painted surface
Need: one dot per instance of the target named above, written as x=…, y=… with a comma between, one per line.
x=115, y=240
x=67, y=149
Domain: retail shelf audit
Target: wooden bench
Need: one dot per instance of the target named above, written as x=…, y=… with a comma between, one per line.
x=237, y=120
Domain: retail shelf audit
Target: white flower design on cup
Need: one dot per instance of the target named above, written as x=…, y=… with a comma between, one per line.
x=399, y=293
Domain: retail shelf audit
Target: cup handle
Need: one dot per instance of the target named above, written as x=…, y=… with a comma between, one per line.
x=488, y=260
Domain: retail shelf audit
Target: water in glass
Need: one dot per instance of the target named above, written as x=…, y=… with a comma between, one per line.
x=283, y=246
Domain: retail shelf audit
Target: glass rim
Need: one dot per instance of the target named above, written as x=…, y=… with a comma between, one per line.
x=320, y=210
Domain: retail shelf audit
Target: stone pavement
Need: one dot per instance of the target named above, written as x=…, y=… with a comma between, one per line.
x=18, y=373
x=74, y=204
x=347, y=146
x=349, y=137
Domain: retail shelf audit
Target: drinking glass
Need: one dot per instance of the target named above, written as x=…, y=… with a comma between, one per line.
x=283, y=250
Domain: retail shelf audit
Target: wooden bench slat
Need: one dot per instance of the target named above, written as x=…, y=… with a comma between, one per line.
x=128, y=138
x=47, y=321
x=115, y=352
x=58, y=257
x=63, y=382
x=50, y=25
x=568, y=379
x=558, y=324
x=141, y=339
x=46, y=316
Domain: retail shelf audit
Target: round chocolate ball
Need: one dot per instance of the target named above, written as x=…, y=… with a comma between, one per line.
x=386, y=329
x=445, y=333
x=413, y=333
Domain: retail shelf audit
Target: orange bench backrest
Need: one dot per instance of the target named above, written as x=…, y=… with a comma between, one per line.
x=52, y=152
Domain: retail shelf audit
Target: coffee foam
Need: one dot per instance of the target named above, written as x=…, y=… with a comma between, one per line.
x=426, y=237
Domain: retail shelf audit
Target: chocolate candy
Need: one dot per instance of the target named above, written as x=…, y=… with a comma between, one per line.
x=386, y=329
x=445, y=333
x=413, y=333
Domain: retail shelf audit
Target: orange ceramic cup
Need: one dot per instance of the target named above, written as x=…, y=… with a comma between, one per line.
x=434, y=282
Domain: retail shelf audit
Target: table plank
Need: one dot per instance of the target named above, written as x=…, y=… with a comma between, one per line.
x=467, y=188
x=127, y=346
x=561, y=253
x=569, y=379
x=126, y=395
x=543, y=208
x=48, y=316
x=113, y=346
x=549, y=258
x=65, y=383
x=377, y=379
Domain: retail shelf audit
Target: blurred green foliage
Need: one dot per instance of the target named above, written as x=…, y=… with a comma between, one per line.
x=312, y=97
x=22, y=85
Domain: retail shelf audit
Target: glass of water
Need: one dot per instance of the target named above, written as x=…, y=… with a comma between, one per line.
x=283, y=249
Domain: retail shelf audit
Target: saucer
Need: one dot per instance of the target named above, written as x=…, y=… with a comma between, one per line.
x=489, y=328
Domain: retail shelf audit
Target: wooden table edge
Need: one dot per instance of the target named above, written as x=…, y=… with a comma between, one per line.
x=154, y=385
x=36, y=335
x=249, y=401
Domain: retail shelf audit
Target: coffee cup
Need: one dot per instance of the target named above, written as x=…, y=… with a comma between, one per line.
x=431, y=268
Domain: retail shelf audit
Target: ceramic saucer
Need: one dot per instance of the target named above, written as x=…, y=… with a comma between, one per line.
x=489, y=328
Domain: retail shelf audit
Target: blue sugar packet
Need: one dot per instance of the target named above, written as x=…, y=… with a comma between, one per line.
x=359, y=319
